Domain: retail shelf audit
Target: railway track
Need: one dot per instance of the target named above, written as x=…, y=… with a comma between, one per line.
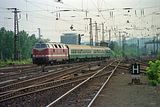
x=82, y=95
x=37, y=80
x=30, y=73
x=57, y=85
x=35, y=88
x=23, y=72
x=64, y=81
x=16, y=67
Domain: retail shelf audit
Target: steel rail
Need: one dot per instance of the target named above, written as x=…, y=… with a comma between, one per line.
x=89, y=105
x=68, y=92
x=7, y=95
x=36, y=79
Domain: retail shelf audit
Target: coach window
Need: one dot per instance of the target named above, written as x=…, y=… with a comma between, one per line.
x=72, y=51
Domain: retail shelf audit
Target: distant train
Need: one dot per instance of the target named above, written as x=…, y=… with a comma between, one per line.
x=50, y=53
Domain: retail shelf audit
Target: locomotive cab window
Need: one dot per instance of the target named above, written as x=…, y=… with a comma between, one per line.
x=48, y=45
x=41, y=45
x=44, y=46
x=38, y=46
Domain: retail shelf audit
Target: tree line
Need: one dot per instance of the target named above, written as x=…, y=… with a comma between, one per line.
x=26, y=43
x=129, y=50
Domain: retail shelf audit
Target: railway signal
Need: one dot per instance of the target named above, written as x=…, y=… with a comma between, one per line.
x=135, y=73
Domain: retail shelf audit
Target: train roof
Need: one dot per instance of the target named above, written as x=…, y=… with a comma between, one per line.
x=72, y=46
x=79, y=46
x=49, y=45
x=86, y=47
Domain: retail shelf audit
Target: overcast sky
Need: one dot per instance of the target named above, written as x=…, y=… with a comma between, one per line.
x=43, y=13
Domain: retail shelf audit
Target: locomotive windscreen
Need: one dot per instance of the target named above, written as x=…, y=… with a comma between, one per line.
x=38, y=45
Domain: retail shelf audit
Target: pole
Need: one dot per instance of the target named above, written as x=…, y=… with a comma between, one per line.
x=102, y=32
x=138, y=49
x=158, y=41
x=91, y=35
x=145, y=47
x=120, y=39
x=15, y=35
x=96, y=34
x=16, y=31
x=90, y=32
x=109, y=36
x=123, y=47
x=154, y=45
x=39, y=33
x=157, y=45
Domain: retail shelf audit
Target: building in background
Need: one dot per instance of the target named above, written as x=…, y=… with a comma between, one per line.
x=71, y=38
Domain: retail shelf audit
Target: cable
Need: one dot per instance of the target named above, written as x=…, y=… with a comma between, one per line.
x=99, y=10
x=40, y=3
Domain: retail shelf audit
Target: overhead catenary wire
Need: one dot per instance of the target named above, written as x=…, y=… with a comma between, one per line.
x=36, y=10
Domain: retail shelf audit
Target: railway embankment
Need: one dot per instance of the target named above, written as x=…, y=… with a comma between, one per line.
x=120, y=92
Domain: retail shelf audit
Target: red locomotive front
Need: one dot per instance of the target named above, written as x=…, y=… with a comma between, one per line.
x=40, y=53
x=49, y=53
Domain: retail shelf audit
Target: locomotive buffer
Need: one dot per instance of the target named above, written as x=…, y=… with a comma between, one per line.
x=135, y=73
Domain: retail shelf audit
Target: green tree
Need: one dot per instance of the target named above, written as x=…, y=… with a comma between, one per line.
x=6, y=47
x=2, y=35
x=117, y=52
x=153, y=72
x=26, y=43
x=131, y=50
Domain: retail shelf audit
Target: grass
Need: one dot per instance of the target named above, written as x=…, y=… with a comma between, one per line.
x=19, y=62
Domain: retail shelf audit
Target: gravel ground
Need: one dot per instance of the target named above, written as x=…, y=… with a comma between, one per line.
x=120, y=93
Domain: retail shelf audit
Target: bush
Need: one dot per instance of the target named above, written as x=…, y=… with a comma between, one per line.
x=27, y=61
x=159, y=78
x=2, y=63
x=153, y=72
x=153, y=82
